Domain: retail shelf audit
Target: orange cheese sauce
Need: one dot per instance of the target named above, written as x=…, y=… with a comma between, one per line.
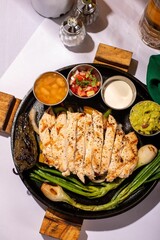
x=50, y=88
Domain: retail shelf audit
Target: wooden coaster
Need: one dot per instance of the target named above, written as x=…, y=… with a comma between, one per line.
x=8, y=107
x=113, y=56
x=60, y=226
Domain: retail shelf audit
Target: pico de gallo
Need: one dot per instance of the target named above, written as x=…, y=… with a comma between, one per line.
x=84, y=83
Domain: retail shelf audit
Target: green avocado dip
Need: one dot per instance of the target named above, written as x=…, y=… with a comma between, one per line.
x=145, y=117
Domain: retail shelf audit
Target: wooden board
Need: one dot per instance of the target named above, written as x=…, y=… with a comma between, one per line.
x=8, y=108
x=60, y=226
x=113, y=56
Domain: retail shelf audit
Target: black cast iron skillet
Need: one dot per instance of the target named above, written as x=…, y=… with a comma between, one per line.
x=121, y=116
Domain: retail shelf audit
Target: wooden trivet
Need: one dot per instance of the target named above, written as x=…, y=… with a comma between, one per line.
x=61, y=226
x=54, y=224
x=113, y=56
x=8, y=107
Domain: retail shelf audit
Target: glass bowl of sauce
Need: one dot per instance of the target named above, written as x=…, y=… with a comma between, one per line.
x=51, y=88
x=118, y=92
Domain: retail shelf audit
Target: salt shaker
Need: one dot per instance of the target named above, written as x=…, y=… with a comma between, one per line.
x=72, y=31
x=87, y=10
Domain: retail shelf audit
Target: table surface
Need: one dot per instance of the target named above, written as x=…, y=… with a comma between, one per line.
x=30, y=45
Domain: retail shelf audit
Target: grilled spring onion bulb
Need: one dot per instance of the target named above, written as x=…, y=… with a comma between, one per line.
x=56, y=193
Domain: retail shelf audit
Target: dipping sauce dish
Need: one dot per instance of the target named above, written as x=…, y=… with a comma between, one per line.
x=84, y=81
x=118, y=92
x=145, y=118
x=51, y=88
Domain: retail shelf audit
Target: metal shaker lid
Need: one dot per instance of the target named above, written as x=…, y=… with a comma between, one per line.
x=72, y=25
x=86, y=6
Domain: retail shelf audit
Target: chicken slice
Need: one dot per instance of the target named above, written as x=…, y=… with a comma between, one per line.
x=97, y=122
x=116, y=161
x=88, y=170
x=108, y=144
x=129, y=155
x=46, y=124
x=71, y=140
x=80, y=147
x=59, y=147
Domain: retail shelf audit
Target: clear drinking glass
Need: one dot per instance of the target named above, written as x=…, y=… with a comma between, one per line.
x=149, y=25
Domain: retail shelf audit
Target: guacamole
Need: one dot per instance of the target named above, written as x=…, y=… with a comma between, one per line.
x=145, y=117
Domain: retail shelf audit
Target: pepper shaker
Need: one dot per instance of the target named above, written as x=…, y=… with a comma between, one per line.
x=86, y=10
x=72, y=31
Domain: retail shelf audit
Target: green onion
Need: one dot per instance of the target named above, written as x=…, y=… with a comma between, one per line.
x=124, y=193
x=57, y=110
x=71, y=183
x=107, y=113
x=55, y=172
x=42, y=176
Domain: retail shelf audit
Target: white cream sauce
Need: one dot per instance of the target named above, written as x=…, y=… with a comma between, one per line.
x=118, y=94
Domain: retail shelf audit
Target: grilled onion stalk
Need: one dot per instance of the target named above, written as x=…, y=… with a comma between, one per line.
x=56, y=193
x=92, y=190
x=50, y=175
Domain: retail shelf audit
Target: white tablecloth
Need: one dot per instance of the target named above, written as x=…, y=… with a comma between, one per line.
x=29, y=46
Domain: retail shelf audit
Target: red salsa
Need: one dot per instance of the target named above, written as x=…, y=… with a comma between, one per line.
x=84, y=83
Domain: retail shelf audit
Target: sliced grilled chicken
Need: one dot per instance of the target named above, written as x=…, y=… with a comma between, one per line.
x=71, y=140
x=55, y=150
x=78, y=143
x=116, y=161
x=132, y=138
x=111, y=126
x=88, y=170
x=46, y=124
x=97, y=122
x=60, y=146
x=80, y=146
x=129, y=155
